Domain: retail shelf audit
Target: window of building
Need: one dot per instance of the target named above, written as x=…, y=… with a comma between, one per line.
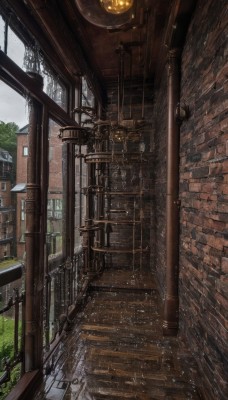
x=22, y=238
x=22, y=215
x=3, y=186
x=1, y=201
x=25, y=151
x=50, y=155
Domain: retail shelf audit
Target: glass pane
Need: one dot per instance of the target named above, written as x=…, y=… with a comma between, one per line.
x=2, y=28
x=55, y=194
x=16, y=48
x=13, y=175
x=87, y=95
x=54, y=232
x=80, y=182
x=54, y=88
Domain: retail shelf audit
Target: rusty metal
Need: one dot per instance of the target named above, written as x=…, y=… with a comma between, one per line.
x=170, y=323
x=67, y=279
x=119, y=250
x=34, y=290
x=74, y=134
x=108, y=157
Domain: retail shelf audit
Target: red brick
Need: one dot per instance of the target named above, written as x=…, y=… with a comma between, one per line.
x=225, y=265
x=195, y=187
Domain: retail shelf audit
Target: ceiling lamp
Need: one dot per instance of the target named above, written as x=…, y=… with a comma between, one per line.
x=116, y=6
x=97, y=12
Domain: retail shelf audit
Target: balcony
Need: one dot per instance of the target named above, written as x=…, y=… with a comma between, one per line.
x=6, y=239
x=110, y=345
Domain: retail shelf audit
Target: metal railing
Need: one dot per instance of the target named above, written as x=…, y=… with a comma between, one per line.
x=11, y=325
x=62, y=289
x=65, y=284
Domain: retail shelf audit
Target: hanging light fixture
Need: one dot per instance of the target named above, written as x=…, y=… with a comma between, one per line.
x=116, y=6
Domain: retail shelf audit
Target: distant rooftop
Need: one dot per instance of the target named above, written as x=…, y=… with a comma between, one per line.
x=23, y=131
x=5, y=156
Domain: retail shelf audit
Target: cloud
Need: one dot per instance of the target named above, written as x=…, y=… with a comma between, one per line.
x=13, y=107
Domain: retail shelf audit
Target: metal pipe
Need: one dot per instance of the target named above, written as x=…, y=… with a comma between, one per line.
x=170, y=323
x=34, y=291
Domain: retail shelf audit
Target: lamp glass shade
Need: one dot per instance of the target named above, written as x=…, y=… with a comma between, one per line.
x=116, y=6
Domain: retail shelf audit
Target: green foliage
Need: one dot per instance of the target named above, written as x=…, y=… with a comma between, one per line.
x=6, y=388
x=8, y=136
x=7, y=351
x=6, y=338
x=9, y=139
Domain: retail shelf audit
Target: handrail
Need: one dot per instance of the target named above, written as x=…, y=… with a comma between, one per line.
x=11, y=274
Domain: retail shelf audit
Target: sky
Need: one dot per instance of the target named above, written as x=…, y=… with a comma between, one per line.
x=12, y=106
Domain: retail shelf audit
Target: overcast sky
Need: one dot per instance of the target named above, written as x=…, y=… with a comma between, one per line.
x=12, y=106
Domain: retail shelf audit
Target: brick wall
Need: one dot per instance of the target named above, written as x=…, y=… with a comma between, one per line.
x=138, y=177
x=204, y=193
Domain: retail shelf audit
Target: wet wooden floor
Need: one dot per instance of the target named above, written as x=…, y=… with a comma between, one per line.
x=116, y=349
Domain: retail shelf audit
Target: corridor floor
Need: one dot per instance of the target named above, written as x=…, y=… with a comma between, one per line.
x=116, y=349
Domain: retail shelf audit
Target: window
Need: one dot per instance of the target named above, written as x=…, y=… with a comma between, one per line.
x=25, y=151
x=16, y=48
x=23, y=204
x=87, y=95
x=2, y=31
x=22, y=210
x=58, y=204
x=50, y=155
x=26, y=53
x=22, y=238
x=1, y=201
x=3, y=186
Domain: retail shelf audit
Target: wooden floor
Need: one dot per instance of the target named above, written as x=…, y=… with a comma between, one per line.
x=116, y=349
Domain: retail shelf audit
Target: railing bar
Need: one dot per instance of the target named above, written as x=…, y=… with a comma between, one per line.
x=16, y=323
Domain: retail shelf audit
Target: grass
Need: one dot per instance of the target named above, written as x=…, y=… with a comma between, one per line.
x=7, y=352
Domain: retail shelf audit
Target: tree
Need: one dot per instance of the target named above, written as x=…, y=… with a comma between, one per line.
x=8, y=139
x=8, y=136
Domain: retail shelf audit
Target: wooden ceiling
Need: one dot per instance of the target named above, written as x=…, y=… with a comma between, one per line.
x=78, y=47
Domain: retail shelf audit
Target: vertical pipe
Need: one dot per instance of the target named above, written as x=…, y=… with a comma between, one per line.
x=71, y=196
x=34, y=295
x=170, y=323
x=68, y=198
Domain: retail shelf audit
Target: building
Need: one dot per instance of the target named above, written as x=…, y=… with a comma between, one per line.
x=7, y=208
x=139, y=101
